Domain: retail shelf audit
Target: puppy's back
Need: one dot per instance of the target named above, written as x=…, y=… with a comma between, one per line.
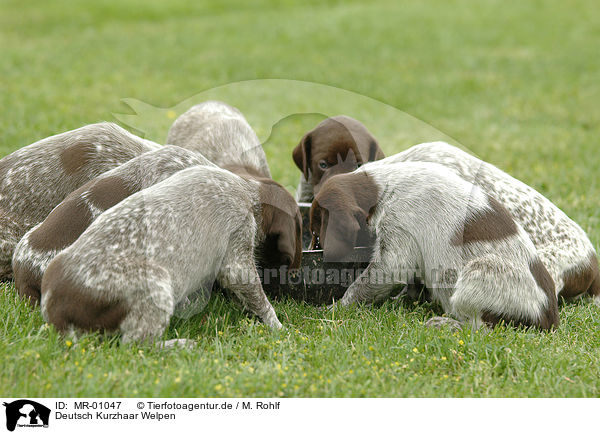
x=34, y=179
x=222, y=134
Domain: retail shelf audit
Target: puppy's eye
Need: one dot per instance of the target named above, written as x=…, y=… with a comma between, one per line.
x=323, y=164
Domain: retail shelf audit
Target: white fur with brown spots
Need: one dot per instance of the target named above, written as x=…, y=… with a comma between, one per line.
x=139, y=259
x=81, y=207
x=562, y=245
x=36, y=178
x=428, y=223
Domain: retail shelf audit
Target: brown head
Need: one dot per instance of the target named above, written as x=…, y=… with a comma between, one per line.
x=280, y=217
x=337, y=145
x=340, y=214
x=282, y=225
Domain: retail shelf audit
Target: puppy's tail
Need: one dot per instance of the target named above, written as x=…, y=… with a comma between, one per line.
x=490, y=289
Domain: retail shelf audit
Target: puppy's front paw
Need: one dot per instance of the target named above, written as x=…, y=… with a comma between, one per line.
x=271, y=320
x=442, y=321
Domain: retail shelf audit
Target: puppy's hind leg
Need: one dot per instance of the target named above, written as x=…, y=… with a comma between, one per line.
x=151, y=306
x=492, y=288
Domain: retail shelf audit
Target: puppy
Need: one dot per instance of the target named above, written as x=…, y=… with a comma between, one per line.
x=36, y=178
x=220, y=133
x=81, y=207
x=431, y=225
x=563, y=247
x=145, y=255
x=337, y=145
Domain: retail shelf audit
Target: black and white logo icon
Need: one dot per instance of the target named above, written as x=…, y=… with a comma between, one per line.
x=26, y=413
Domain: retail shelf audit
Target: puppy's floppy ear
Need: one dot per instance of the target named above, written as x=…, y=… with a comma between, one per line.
x=375, y=152
x=302, y=154
x=342, y=231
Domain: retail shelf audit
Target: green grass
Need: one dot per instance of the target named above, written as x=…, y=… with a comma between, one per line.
x=515, y=82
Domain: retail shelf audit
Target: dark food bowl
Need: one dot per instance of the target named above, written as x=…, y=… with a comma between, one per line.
x=317, y=282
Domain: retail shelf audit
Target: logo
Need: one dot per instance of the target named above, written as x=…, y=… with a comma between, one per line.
x=26, y=413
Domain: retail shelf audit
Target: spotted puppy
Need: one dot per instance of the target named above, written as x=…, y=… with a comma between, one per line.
x=337, y=145
x=145, y=255
x=36, y=178
x=563, y=247
x=431, y=225
x=80, y=208
x=221, y=133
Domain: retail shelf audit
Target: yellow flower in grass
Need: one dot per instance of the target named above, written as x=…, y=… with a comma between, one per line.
x=171, y=114
x=69, y=344
x=415, y=350
x=461, y=342
x=218, y=387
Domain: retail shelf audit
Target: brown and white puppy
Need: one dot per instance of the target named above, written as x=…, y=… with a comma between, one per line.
x=36, y=178
x=338, y=144
x=431, y=225
x=142, y=257
x=563, y=246
x=80, y=208
x=221, y=133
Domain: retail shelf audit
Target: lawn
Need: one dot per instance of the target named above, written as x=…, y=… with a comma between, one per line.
x=514, y=82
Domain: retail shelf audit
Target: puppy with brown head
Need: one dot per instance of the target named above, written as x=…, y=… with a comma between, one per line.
x=222, y=134
x=339, y=144
x=80, y=208
x=36, y=178
x=340, y=214
x=432, y=226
